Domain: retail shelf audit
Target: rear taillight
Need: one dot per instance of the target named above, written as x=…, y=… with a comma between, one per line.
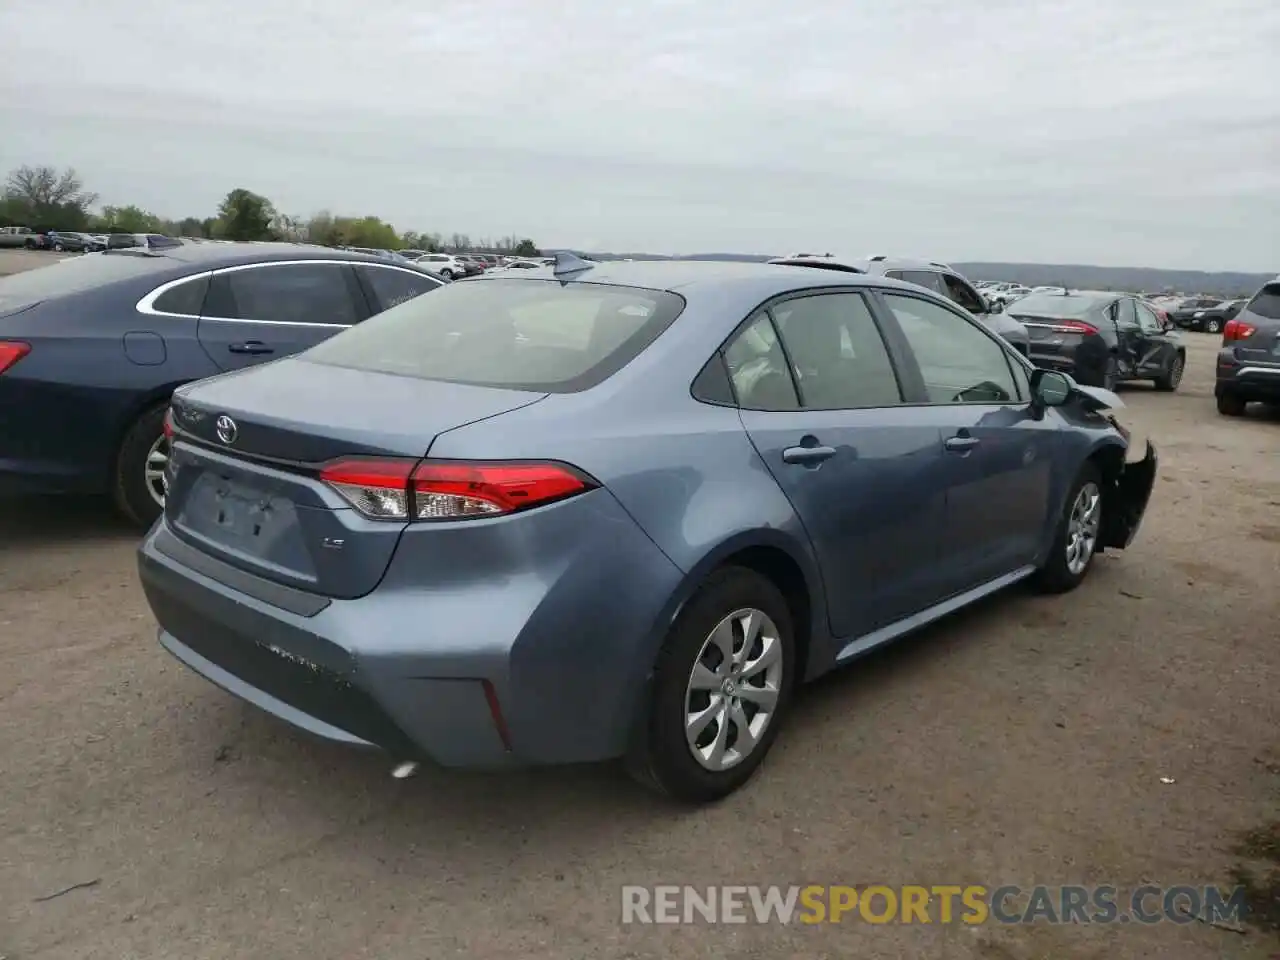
x=388, y=489
x=168, y=424
x=1075, y=326
x=1234, y=330
x=11, y=351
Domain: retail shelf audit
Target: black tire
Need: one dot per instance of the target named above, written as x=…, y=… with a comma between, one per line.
x=57, y=248
x=129, y=487
x=1169, y=380
x=30, y=244
x=1230, y=405
x=1213, y=326
x=1054, y=576
x=447, y=273
x=661, y=759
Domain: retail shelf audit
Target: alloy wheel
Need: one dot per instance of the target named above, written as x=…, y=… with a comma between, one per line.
x=733, y=690
x=155, y=470
x=1082, y=528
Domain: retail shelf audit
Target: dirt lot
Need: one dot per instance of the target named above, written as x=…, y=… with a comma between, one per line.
x=1026, y=741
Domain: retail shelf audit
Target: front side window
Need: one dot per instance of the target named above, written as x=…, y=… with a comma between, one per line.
x=959, y=362
x=1147, y=320
x=521, y=334
x=393, y=287
x=836, y=350
x=284, y=293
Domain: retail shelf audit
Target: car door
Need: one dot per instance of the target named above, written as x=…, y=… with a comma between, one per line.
x=264, y=311
x=821, y=401
x=388, y=286
x=996, y=470
x=1155, y=347
x=1129, y=337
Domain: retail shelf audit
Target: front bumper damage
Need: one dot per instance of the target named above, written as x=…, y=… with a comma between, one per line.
x=1126, y=497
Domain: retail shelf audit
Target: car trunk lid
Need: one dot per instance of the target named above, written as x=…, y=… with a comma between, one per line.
x=1054, y=335
x=247, y=451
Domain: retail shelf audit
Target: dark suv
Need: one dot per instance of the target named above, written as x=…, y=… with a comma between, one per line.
x=1249, y=361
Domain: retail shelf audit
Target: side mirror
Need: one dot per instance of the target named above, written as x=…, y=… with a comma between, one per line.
x=1050, y=388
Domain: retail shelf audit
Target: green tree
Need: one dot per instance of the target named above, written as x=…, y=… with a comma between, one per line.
x=43, y=196
x=370, y=232
x=191, y=227
x=130, y=219
x=245, y=215
x=527, y=248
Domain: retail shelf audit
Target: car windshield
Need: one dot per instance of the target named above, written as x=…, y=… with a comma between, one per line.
x=521, y=334
x=1056, y=305
x=1266, y=302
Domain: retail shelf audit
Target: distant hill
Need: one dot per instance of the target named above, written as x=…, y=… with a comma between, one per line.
x=1080, y=276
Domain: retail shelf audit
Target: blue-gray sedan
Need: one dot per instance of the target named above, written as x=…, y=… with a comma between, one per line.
x=617, y=510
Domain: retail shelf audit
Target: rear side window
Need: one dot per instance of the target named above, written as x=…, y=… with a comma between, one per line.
x=921, y=278
x=758, y=366
x=522, y=334
x=393, y=287
x=1266, y=302
x=284, y=293
x=186, y=298
x=961, y=293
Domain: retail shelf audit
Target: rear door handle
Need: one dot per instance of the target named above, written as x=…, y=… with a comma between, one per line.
x=809, y=456
x=961, y=444
x=252, y=347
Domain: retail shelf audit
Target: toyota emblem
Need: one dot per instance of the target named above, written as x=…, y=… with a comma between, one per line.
x=226, y=429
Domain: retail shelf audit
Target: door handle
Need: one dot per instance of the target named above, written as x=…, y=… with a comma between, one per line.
x=251, y=347
x=961, y=444
x=808, y=456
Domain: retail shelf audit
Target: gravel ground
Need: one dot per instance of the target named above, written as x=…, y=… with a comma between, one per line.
x=1021, y=742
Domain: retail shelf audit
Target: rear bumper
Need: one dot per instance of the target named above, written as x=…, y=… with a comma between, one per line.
x=564, y=647
x=1127, y=499
x=1249, y=381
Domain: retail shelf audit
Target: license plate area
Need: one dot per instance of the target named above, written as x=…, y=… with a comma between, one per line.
x=246, y=520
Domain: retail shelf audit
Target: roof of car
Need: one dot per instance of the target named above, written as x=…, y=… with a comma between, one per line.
x=684, y=275
x=231, y=254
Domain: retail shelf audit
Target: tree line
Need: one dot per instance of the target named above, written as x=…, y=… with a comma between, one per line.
x=46, y=198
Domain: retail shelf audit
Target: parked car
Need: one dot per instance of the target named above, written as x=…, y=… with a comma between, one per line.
x=71, y=241
x=1101, y=338
x=1248, y=366
x=91, y=347
x=931, y=275
x=1182, y=311
x=445, y=264
x=17, y=237
x=414, y=536
x=1214, y=319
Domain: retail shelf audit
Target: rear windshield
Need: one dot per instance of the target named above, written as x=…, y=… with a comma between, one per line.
x=1266, y=302
x=522, y=334
x=76, y=275
x=1055, y=305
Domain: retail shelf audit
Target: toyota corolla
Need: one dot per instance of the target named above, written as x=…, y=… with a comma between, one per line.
x=622, y=510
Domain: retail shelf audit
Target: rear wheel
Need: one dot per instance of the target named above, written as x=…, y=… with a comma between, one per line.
x=722, y=684
x=447, y=273
x=1111, y=374
x=1213, y=326
x=139, y=486
x=1230, y=405
x=1076, y=541
x=1172, y=376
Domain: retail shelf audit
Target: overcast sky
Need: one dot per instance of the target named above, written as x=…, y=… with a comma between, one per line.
x=1120, y=132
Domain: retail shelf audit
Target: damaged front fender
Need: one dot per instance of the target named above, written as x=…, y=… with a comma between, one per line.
x=1125, y=500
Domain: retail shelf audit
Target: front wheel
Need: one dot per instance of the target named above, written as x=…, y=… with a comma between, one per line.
x=447, y=273
x=721, y=687
x=1169, y=380
x=1076, y=540
x=140, y=483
